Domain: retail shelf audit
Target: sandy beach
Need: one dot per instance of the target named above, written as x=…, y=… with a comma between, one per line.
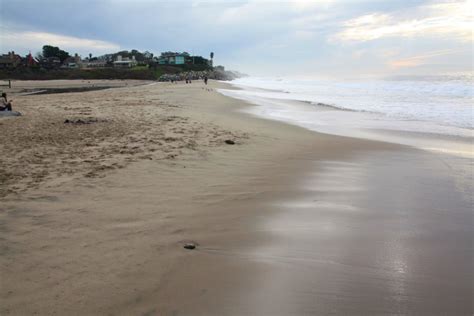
x=100, y=190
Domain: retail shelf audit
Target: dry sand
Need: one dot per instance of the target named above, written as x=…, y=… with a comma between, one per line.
x=64, y=135
x=288, y=222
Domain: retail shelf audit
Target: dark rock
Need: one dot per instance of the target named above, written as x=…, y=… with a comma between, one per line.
x=190, y=246
x=88, y=120
x=229, y=142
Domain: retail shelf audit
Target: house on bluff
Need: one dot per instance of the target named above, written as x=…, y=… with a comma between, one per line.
x=173, y=58
x=10, y=60
x=125, y=62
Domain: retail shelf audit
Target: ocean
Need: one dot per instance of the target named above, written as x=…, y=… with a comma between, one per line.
x=431, y=112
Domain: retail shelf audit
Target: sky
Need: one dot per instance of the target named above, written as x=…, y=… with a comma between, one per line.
x=300, y=38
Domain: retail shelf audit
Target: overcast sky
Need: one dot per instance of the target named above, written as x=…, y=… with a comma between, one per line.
x=259, y=37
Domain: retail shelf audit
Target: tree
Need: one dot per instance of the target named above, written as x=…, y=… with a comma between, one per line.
x=53, y=51
x=198, y=60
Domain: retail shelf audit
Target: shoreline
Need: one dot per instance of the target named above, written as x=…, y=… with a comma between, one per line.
x=368, y=125
x=113, y=244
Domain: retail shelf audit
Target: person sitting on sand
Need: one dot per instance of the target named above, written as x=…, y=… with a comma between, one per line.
x=4, y=104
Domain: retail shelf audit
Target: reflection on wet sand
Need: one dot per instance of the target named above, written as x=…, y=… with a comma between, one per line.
x=379, y=236
x=386, y=233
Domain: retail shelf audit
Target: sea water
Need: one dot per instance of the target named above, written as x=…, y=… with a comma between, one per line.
x=431, y=112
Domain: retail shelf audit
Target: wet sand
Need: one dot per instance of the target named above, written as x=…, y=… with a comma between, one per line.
x=382, y=233
x=288, y=222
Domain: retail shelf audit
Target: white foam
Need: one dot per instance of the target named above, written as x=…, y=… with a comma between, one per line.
x=444, y=102
x=441, y=125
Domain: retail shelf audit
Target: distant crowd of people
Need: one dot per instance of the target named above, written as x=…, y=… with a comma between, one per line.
x=188, y=77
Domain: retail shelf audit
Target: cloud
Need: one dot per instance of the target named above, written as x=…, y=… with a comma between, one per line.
x=449, y=19
x=418, y=60
x=24, y=41
x=255, y=36
x=310, y=4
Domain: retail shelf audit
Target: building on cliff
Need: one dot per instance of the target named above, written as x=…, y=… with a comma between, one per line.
x=10, y=60
x=72, y=62
x=172, y=58
x=125, y=62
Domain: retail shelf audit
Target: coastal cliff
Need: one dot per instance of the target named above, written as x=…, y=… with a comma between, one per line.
x=161, y=73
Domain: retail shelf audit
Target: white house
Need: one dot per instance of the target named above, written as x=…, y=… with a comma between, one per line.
x=125, y=62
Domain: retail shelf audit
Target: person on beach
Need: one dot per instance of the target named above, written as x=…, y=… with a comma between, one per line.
x=5, y=105
x=205, y=80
